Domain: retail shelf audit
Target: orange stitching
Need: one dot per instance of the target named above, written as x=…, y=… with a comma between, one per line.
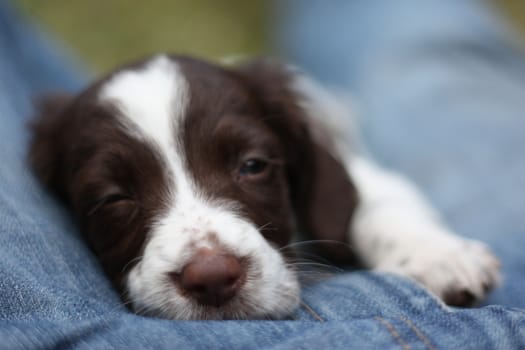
x=393, y=332
x=419, y=333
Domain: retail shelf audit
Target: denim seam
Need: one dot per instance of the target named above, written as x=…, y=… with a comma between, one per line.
x=395, y=334
x=419, y=333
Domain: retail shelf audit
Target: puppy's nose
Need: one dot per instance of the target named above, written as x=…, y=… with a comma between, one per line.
x=212, y=277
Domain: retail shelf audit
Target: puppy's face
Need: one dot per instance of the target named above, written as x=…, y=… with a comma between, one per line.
x=187, y=179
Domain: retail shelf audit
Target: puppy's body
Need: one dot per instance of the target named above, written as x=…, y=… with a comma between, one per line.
x=187, y=178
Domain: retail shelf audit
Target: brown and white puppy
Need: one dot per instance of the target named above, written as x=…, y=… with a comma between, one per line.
x=187, y=178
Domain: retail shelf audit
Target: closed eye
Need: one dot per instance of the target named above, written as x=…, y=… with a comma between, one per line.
x=110, y=199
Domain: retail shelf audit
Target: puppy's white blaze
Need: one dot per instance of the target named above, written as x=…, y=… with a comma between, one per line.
x=153, y=102
x=153, y=98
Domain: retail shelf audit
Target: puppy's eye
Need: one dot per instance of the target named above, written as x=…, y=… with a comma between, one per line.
x=114, y=198
x=252, y=167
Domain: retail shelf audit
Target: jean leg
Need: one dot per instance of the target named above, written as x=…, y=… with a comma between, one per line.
x=53, y=293
x=439, y=86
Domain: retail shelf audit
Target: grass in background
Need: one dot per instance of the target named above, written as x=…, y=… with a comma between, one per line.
x=106, y=33
x=515, y=9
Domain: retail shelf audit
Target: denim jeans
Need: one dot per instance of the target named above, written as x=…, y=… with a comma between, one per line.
x=441, y=100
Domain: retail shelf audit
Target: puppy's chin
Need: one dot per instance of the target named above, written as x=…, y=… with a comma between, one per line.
x=243, y=307
x=263, y=295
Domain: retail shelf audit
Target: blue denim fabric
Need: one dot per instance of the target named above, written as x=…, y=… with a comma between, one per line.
x=447, y=115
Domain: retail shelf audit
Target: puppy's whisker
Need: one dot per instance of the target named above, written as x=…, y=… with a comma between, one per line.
x=311, y=311
x=265, y=226
x=305, y=256
x=317, y=265
x=119, y=307
x=131, y=262
x=314, y=242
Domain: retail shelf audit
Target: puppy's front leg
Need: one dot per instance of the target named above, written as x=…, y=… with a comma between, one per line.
x=395, y=230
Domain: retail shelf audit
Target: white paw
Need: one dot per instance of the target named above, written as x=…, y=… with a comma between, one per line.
x=458, y=271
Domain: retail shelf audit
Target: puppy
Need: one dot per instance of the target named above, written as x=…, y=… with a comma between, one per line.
x=188, y=178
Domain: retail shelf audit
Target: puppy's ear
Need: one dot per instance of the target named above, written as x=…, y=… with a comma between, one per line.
x=46, y=150
x=322, y=193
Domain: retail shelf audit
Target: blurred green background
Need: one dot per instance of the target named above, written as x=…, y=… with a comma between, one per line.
x=107, y=32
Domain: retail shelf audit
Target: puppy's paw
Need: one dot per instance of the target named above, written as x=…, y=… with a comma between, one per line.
x=459, y=271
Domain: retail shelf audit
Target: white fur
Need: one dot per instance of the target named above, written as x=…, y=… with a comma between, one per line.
x=153, y=102
x=393, y=228
x=153, y=99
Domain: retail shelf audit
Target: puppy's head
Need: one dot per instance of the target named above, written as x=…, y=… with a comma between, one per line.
x=187, y=178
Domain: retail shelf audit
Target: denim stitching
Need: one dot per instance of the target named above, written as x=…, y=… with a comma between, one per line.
x=395, y=334
x=419, y=333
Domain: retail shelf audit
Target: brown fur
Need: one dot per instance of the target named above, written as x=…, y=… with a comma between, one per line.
x=116, y=185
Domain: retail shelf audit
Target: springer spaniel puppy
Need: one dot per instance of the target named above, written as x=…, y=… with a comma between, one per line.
x=188, y=178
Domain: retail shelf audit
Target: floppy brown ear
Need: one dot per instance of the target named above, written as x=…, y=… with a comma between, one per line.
x=322, y=193
x=46, y=149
